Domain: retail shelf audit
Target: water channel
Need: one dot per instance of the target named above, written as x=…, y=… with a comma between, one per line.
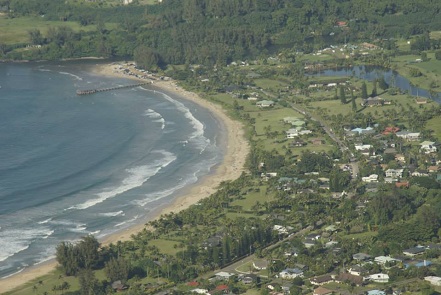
x=371, y=73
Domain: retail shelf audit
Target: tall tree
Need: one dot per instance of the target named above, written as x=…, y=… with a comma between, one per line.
x=354, y=105
x=364, y=94
x=342, y=94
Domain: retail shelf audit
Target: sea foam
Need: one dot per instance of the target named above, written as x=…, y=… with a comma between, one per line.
x=136, y=177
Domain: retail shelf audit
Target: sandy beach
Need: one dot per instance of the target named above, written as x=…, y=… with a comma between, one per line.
x=232, y=166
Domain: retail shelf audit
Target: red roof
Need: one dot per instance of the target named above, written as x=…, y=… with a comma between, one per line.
x=222, y=287
x=342, y=24
x=193, y=284
x=390, y=129
x=402, y=184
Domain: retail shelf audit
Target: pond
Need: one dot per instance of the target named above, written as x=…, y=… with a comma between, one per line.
x=370, y=73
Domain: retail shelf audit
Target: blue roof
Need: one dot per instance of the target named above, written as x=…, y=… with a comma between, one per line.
x=376, y=292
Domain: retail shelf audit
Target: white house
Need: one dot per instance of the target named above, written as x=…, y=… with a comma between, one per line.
x=409, y=136
x=436, y=281
x=292, y=133
x=370, y=178
x=379, y=278
x=265, y=103
x=291, y=273
x=394, y=173
x=361, y=147
x=428, y=147
x=384, y=259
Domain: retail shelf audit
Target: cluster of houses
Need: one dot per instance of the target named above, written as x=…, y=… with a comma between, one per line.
x=359, y=275
x=387, y=146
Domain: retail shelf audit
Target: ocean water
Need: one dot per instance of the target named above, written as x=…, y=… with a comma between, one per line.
x=77, y=165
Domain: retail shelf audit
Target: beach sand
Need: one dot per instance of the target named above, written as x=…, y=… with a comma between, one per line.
x=232, y=166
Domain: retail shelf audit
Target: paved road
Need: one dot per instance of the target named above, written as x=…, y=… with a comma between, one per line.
x=341, y=144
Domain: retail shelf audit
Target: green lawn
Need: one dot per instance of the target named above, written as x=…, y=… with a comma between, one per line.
x=434, y=124
x=252, y=197
x=15, y=30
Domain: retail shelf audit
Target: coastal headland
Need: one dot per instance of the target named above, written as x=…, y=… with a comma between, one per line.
x=235, y=146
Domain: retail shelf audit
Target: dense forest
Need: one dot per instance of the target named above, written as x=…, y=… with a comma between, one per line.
x=216, y=31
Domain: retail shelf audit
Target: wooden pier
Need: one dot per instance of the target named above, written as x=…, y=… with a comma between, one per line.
x=92, y=91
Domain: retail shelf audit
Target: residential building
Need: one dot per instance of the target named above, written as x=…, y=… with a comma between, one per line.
x=394, y=173
x=291, y=273
x=265, y=103
x=321, y=280
x=379, y=278
x=370, y=178
x=436, y=281
x=414, y=251
x=322, y=291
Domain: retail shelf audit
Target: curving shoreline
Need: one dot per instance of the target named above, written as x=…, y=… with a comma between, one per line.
x=236, y=150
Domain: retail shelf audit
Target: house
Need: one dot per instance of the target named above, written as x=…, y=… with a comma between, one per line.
x=348, y=278
x=409, y=136
x=368, y=46
x=436, y=281
x=394, y=173
x=280, y=229
x=401, y=184
x=428, y=147
x=433, y=169
x=361, y=256
x=370, y=178
x=400, y=158
x=317, y=141
x=372, y=101
x=291, y=273
x=221, y=289
x=357, y=270
x=420, y=100
x=297, y=143
x=382, y=260
x=321, y=280
x=390, y=130
x=292, y=133
x=390, y=180
x=265, y=103
x=315, y=237
x=376, y=292
x=322, y=291
x=379, y=278
x=118, y=286
x=292, y=252
x=361, y=147
x=200, y=291
x=260, y=264
x=360, y=131
x=390, y=151
x=420, y=172
x=249, y=278
x=309, y=243
x=223, y=276
x=414, y=251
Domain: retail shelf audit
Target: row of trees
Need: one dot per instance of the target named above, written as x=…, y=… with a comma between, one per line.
x=208, y=32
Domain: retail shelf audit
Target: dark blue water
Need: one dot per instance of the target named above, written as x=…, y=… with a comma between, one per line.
x=370, y=73
x=76, y=165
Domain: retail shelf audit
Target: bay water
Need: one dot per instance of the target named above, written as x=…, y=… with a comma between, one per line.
x=77, y=165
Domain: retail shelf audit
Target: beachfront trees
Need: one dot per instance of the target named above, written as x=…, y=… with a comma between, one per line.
x=83, y=255
x=65, y=255
x=147, y=58
x=117, y=269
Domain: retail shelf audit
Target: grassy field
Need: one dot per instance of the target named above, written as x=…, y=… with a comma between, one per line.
x=16, y=30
